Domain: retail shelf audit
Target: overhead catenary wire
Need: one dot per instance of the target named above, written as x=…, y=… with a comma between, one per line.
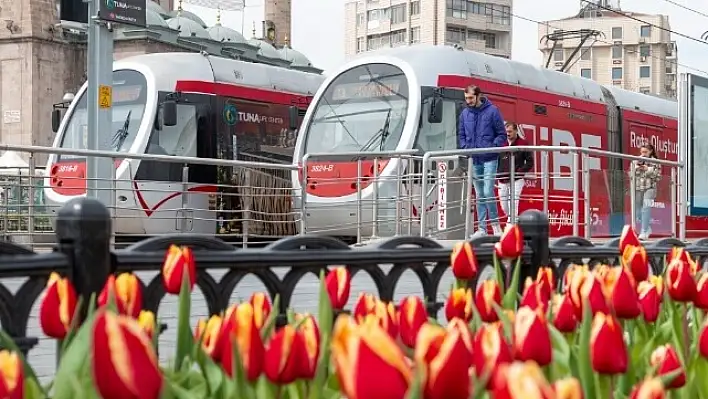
x=687, y=8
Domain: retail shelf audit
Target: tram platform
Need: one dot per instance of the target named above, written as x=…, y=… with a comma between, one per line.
x=444, y=243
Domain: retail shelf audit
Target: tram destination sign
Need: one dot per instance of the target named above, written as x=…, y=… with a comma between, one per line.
x=128, y=12
x=368, y=89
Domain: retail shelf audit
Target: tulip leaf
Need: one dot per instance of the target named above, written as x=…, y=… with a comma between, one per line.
x=325, y=316
x=506, y=322
x=176, y=391
x=498, y=271
x=668, y=378
x=184, y=331
x=264, y=389
x=33, y=390
x=584, y=361
x=701, y=383
x=213, y=375
x=677, y=324
x=561, y=350
x=73, y=326
x=6, y=342
x=75, y=361
x=239, y=374
x=269, y=325
x=415, y=390
x=512, y=291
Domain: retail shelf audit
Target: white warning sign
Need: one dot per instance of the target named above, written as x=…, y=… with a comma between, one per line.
x=442, y=195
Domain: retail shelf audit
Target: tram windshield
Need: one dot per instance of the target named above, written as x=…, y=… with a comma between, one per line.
x=128, y=106
x=363, y=109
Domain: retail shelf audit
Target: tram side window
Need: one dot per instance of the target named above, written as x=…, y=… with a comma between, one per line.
x=180, y=139
x=438, y=136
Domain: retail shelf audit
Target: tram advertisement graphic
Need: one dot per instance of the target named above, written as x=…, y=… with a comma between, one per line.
x=129, y=12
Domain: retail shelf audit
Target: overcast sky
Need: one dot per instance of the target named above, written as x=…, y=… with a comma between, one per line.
x=318, y=32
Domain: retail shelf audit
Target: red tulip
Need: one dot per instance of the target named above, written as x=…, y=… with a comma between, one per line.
x=532, y=339
x=521, y=380
x=127, y=293
x=12, y=381
x=338, y=285
x=701, y=299
x=511, y=242
x=463, y=261
x=682, y=254
x=650, y=388
x=311, y=334
x=703, y=340
x=464, y=330
x=635, y=259
x=261, y=307
x=608, y=352
x=285, y=356
x=534, y=295
x=446, y=359
x=241, y=330
x=650, y=299
x=568, y=388
x=545, y=280
x=210, y=333
x=387, y=317
x=622, y=293
x=564, y=319
x=56, y=312
x=364, y=355
x=628, y=237
x=178, y=261
x=365, y=305
x=412, y=316
x=488, y=293
x=570, y=274
x=584, y=286
x=123, y=359
x=679, y=281
x=146, y=320
x=459, y=304
x=666, y=361
x=489, y=351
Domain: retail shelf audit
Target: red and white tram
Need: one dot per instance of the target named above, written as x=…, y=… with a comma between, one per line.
x=392, y=90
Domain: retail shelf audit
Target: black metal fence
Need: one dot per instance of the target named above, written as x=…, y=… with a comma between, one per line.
x=84, y=254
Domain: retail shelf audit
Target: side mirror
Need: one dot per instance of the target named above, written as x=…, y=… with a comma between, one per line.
x=436, y=110
x=169, y=113
x=293, y=116
x=56, y=119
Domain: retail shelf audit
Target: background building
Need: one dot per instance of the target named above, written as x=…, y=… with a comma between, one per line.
x=483, y=26
x=634, y=55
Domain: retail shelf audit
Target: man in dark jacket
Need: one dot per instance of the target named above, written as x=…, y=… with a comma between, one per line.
x=482, y=126
x=523, y=163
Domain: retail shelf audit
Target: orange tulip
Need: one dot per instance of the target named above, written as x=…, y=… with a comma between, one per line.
x=178, y=261
x=459, y=304
x=365, y=305
x=123, y=359
x=489, y=351
x=546, y=281
x=446, y=360
x=463, y=261
x=146, y=320
x=210, y=333
x=635, y=259
x=364, y=355
x=622, y=293
x=338, y=285
x=262, y=308
x=56, y=312
x=701, y=299
x=12, y=381
x=511, y=243
x=649, y=296
x=534, y=295
x=488, y=293
x=521, y=380
x=679, y=281
x=242, y=331
x=628, y=237
x=703, y=340
x=608, y=352
x=532, y=339
x=412, y=316
x=127, y=292
x=568, y=388
x=666, y=361
x=585, y=285
x=311, y=334
x=650, y=388
x=285, y=356
x=564, y=319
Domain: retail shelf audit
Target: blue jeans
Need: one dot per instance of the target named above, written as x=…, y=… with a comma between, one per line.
x=643, y=201
x=484, y=175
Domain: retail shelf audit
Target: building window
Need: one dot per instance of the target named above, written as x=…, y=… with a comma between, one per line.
x=415, y=8
x=558, y=55
x=616, y=73
x=586, y=73
x=489, y=39
x=384, y=40
x=398, y=14
x=616, y=52
x=617, y=33
x=457, y=9
x=455, y=35
x=645, y=31
x=644, y=72
x=669, y=68
x=585, y=54
x=645, y=90
x=415, y=34
x=360, y=19
x=383, y=14
x=360, y=44
x=398, y=37
x=644, y=51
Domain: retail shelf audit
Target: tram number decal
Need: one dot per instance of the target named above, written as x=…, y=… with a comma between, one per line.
x=564, y=103
x=442, y=195
x=322, y=168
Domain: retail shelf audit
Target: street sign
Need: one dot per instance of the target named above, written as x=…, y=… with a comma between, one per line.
x=129, y=12
x=105, y=96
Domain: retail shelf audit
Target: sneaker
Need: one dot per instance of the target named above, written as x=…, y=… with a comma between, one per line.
x=643, y=236
x=496, y=229
x=478, y=233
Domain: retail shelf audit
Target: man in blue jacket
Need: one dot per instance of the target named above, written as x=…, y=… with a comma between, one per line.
x=482, y=126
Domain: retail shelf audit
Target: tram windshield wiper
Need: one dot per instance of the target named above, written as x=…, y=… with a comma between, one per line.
x=382, y=134
x=122, y=133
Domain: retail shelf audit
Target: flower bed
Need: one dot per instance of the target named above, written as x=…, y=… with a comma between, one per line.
x=613, y=331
